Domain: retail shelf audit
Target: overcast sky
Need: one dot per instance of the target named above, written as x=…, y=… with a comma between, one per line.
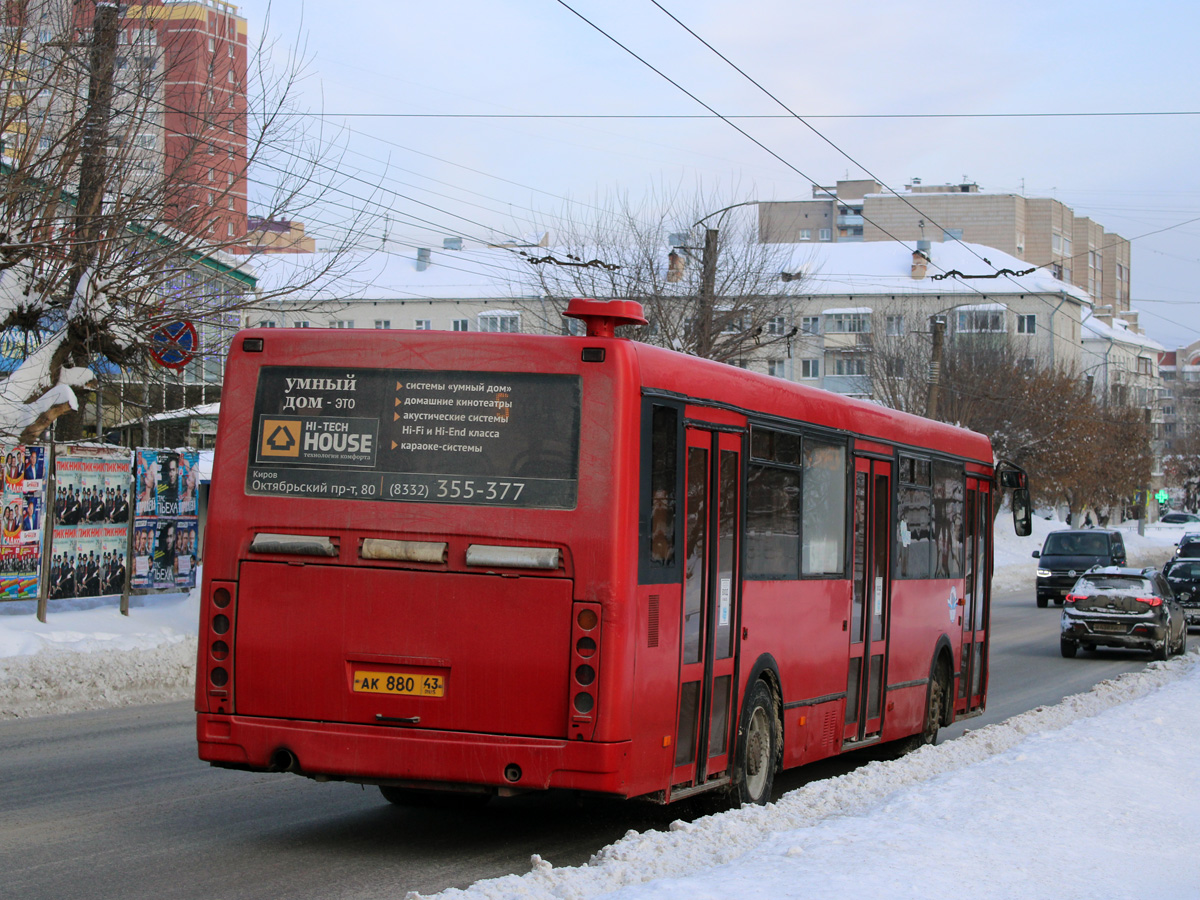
x=852, y=68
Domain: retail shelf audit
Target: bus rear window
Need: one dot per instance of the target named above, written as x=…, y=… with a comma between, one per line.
x=475, y=438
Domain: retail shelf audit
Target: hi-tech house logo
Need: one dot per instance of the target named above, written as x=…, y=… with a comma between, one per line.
x=280, y=438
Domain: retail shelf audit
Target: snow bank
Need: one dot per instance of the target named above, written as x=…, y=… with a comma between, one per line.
x=94, y=658
x=1010, y=809
x=59, y=680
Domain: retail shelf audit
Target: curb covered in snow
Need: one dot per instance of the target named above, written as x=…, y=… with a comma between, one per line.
x=62, y=681
x=642, y=857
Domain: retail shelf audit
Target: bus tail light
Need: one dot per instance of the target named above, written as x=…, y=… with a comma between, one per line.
x=214, y=675
x=585, y=662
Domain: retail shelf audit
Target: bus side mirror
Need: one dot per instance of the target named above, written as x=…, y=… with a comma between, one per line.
x=1022, y=512
x=1011, y=478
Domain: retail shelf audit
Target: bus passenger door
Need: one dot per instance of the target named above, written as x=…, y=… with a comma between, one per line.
x=710, y=604
x=972, y=668
x=872, y=596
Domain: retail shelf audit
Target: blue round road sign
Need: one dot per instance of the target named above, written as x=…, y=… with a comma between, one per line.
x=174, y=345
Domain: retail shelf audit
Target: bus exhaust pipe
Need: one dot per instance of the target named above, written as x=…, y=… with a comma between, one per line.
x=284, y=760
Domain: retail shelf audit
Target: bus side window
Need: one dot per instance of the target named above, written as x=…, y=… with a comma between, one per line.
x=664, y=478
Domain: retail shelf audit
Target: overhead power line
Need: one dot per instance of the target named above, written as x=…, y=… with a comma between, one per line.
x=668, y=116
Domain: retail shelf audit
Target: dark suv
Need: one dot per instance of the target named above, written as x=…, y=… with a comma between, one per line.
x=1068, y=554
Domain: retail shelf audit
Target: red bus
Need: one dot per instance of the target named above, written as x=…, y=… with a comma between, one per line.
x=494, y=563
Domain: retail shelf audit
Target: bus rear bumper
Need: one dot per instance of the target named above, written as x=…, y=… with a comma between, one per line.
x=382, y=753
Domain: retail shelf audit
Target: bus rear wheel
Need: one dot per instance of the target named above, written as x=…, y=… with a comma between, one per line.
x=758, y=748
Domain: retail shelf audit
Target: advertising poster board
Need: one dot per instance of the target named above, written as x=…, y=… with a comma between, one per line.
x=22, y=517
x=91, y=516
x=166, y=525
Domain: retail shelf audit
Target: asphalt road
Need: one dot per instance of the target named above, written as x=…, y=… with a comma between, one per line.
x=115, y=803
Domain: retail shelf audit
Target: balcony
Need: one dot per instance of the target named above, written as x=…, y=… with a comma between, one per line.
x=847, y=340
x=849, y=221
x=855, y=385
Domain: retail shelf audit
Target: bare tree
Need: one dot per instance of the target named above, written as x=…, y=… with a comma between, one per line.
x=132, y=157
x=707, y=285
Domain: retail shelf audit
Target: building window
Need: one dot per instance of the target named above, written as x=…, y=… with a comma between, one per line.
x=826, y=234
x=805, y=234
x=775, y=368
x=302, y=324
x=1144, y=366
x=810, y=325
x=735, y=325
x=383, y=323
x=777, y=325
x=980, y=321
x=894, y=366
x=506, y=322
x=267, y=323
x=894, y=326
x=850, y=364
x=342, y=323
x=1056, y=243
x=952, y=234
x=810, y=369
x=424, y=325
x=1027, y=324
x=1168, y=410
x=847, y=323
x=461, y=325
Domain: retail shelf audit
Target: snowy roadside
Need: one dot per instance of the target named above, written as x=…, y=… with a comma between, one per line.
x=1012, y=809
x=96, y=658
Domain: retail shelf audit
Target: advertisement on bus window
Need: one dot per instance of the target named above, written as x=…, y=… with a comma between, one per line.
x=23, y=518
x=475, y=438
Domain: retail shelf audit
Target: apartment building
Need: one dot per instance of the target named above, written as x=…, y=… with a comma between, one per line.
x=854, y=303
x=177, y=122
x=1039, y=231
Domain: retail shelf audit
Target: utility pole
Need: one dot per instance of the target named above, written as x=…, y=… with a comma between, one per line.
x=708, y=289
x=937, y=325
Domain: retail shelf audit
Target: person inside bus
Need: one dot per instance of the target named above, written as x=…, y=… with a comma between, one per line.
x=662, y=529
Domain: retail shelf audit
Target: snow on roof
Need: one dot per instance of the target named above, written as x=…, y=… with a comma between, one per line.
x=982, y=307
x=876, y=268
x=847, y=311
x=1119, y=332
x=204, y=409
x=392, y=273
x=873, y=268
